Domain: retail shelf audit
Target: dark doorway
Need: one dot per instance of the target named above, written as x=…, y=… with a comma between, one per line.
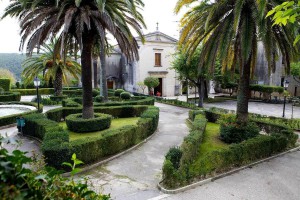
x=295, y=92
x=159, y=88
x=184, y=87
x=110, y=84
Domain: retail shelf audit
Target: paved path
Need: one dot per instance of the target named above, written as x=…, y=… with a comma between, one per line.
x=23, y=143
x=277, y=179
x=260, y=108
x=136, y=174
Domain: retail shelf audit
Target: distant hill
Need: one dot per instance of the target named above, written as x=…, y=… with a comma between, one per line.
x=12, y=62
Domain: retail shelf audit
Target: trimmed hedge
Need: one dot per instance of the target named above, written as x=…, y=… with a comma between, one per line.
x=42, y=91
x=57, y=149
x=58, y=98
x=118, y=92
x=11, y=119
x=266, y=88
x=259, y=147
x=76, y=123
x=76, y=102
x=5, y=84
x=125, y=95
x=116, y=111
x=176, y=102
x=10, y=96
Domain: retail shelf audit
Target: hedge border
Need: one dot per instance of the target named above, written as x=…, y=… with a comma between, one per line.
x=10, y=96
x=208, y=180
x=57, y=150
x=279, y=139
x=75, y=102
x=76, y=123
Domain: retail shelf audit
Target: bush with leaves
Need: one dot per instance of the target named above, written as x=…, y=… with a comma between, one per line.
x=40, y=182
x=118, y=92
x=151, y=82
x=125, y=95
x=233, y=132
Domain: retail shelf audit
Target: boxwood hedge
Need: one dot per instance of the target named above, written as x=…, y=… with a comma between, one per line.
x=57, y=148
x=279, y=138
x=76, y=123
x=10, y=96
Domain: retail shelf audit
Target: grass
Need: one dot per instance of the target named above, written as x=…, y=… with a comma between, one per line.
x=211, y=142
x=115, y=124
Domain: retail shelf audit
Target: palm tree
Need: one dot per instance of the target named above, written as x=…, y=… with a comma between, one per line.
x=81, y=21
x=230, y=30
x=52, y=66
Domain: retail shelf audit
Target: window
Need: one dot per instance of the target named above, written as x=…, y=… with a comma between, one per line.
x=157, y=59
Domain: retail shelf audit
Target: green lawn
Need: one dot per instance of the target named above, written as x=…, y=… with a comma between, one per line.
x=115, y=124
x=210, y=143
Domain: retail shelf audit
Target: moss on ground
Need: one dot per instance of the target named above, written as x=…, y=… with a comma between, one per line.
x=115, y=124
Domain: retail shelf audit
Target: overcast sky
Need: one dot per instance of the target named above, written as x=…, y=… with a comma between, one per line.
x=154, y=11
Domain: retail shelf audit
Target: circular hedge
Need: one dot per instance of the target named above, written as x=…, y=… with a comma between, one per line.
x=125, y=95
x=100, y=122
x=118, y=92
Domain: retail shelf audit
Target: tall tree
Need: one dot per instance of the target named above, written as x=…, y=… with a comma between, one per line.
x=80, y=22
x=230, y=30
x=52, y=65
x=188, y=69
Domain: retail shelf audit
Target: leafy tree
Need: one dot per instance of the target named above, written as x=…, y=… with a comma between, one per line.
x=5, y=73
x=151, y=82
x=230, y=30
x=142, y=86
x=188, y=70
x=79, y=22
x=287, y=12
x=52, y=65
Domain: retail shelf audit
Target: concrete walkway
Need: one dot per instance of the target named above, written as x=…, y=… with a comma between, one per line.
x=260, y=108
x=277, y=179
x=136, y=174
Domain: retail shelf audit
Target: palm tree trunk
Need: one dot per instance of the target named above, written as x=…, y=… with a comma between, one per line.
x=201, y=92
x=58, y=82
x=243, y=93
x=103, y=71
x=95, y=65
x=86, y=76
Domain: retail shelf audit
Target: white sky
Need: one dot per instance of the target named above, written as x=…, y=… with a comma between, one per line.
x=154, y=11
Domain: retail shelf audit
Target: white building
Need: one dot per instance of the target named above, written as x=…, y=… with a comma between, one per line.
x=156, y=56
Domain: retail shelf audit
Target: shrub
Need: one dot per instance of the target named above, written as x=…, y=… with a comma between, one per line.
x=76, y=123
x=10, y=96
x=174, y=155
x=151, y=82
x=42, y=91
x=118, y=92
x=58, y=98
x=5, y=84
x=99, y=98
x=20, y=182
x=125, y=95
x=232, y=132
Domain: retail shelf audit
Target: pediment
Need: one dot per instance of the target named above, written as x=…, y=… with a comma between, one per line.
x=159, y=37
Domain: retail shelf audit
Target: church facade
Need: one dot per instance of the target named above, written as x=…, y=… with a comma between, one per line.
x=156, y=57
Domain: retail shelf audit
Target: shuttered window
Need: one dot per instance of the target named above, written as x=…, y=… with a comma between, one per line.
x=157, y=59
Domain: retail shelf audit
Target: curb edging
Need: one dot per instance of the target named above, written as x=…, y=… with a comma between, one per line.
x=208, y=180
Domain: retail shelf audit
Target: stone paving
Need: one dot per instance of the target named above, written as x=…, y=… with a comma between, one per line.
x=135, y=175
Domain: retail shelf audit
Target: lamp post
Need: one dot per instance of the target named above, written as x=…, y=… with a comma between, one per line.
x=37, y=83
x=286, y=85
